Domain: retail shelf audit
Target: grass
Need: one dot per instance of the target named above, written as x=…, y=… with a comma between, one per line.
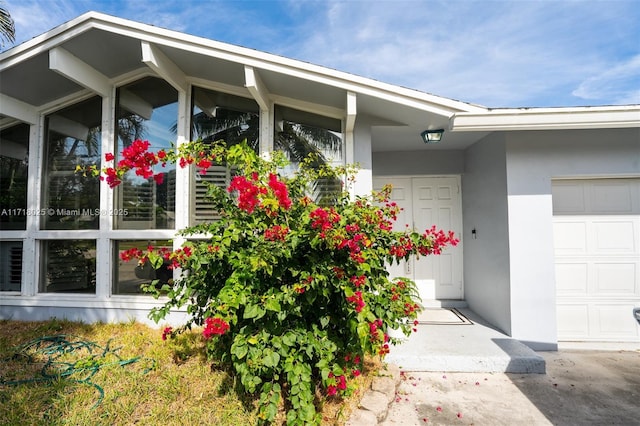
x=165, y=383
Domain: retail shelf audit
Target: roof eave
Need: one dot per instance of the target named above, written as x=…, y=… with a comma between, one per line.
x=548, y=119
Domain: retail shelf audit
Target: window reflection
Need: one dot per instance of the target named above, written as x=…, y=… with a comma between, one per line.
x=130, y=276
x=69, y=266
x=301, y=134
x=14, y=150
x=219, y=116
x=147, y=110
x=71, y=200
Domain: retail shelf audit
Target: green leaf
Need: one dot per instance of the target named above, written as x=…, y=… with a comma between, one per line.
x=155, y=259
x=240, y=350
x=324, y=321
x=253, y=311
x=289, y=338
x=272, y=304
x=270, y=358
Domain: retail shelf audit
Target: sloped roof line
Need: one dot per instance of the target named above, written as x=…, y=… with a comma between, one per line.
x=244, y=55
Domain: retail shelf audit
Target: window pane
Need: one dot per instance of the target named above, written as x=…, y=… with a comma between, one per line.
x=14, y=150
x=129, y=276
x=300, y=134
x=147, y=110
x=68, y=266
x=10, y=265
x=73, y=138
x=219, y=116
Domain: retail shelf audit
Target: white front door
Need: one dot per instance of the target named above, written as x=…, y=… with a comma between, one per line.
x=428, y=201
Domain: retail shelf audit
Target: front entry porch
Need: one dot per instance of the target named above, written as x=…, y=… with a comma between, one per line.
x=445, y=342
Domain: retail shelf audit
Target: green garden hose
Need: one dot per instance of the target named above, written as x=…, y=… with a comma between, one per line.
x=69, y=357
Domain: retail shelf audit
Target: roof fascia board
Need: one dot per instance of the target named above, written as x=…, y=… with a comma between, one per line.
x=19, y=110
x=547, y=119
x=72, y=68
x=42, y=43
x=163, y=66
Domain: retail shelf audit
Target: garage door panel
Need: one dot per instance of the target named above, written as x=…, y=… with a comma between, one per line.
x=611, y=197
x=568, y=198
x=615, y=236
x=597, y=251
x=573, y=321
x=614, y=321
x=570, y=237
x=571, y=278
x=616, y=279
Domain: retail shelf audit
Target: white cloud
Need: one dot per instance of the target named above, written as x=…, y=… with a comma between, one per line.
x=33, y=17
x=619, y=84
x=493, y=53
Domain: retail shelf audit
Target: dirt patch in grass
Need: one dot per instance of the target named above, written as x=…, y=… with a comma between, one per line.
x=125, y=374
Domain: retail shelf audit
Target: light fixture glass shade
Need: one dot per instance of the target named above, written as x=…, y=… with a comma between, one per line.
x=432, y=136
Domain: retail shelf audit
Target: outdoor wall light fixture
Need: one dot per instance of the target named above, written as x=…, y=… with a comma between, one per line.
x=432, y=136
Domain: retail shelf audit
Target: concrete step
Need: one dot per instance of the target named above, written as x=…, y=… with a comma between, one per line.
x=472, y=346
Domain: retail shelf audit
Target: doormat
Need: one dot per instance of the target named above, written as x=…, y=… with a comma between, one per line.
x=443, y=316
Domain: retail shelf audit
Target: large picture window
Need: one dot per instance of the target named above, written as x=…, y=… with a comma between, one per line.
x=69, y=266
x=70, y=200
x=14, y=150
x=219, y=116
x=147, y=110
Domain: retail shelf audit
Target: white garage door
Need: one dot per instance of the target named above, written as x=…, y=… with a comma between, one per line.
x=597, y=250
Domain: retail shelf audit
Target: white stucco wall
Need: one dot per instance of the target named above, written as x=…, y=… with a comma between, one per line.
x=484, y=208
x=431, y=162
x=533, y=160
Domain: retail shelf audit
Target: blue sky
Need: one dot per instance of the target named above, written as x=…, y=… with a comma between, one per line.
x=496, y=53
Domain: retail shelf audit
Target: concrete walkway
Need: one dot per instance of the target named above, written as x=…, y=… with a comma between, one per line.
x=459, y=372
x=463, y=344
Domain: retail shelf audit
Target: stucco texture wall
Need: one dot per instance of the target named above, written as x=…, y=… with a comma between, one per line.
x=484, y=208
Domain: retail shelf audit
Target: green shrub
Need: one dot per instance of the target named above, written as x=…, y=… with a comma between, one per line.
x=291, y=293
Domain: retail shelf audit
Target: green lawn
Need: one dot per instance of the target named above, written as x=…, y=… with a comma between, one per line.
x=144, y=380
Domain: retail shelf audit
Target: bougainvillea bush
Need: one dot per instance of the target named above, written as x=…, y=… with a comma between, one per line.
x=289, y=293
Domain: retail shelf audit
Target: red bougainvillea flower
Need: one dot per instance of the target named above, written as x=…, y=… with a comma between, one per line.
x=133, y=253
x=342, y=382
x=357, y=301
x=166, y=332
x=109, y=156
x=214, y=327
x=331, y=390
x=203, y=165
x=276, y=233
x=247, y=193
x=280, y=190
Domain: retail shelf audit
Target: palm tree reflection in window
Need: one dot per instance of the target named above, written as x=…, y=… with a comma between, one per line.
x=298, y=134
